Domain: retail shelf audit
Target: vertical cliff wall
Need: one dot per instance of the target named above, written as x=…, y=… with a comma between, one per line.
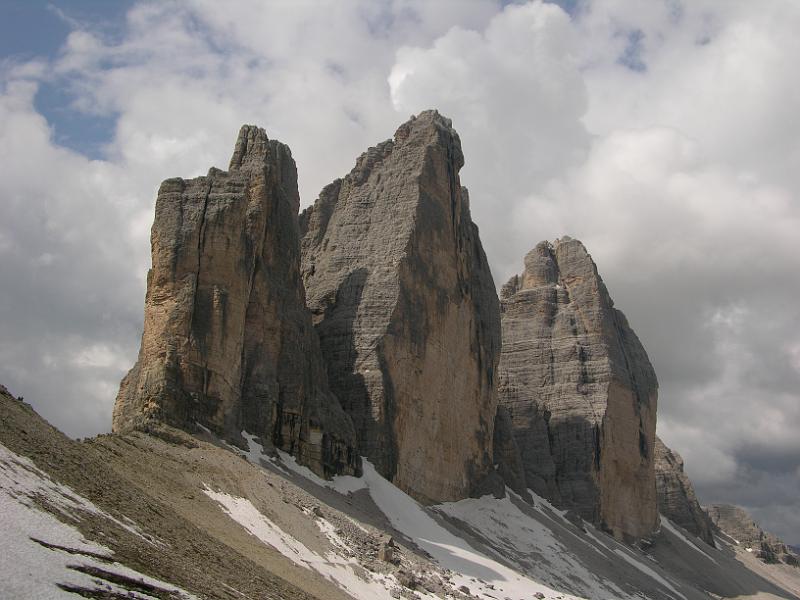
x=676, y=497
x=581, y=391
x=406, y=310
x=228, y=341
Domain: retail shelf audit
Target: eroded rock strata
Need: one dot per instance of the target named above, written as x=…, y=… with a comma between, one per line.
x=676, y=497
x=228, y=342
x=406, y=310
x=581, y=391
x=737, y=524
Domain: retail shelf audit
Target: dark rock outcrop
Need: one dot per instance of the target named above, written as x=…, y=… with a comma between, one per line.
x=581, y=391
x=406, y=310
x=228, y=342
x=676, y=498
x=735, y=523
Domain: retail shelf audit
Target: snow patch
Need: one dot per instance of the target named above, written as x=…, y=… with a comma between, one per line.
x=531, y=545
x=35, y=569
x=344, y=484
x=485, y=577
x=22, y=479
x=346, y=573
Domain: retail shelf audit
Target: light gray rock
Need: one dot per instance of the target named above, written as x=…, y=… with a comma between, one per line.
x=580, y=390
x=737, y=524
x=676, y=498
x=407, y=311
x=228, y=342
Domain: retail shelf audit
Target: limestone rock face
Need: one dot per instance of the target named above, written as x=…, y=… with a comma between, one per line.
x=676, y=497
x=734, y=522
x=406, y=310
x=228, y=342
x=581, y=391
x=507, y=457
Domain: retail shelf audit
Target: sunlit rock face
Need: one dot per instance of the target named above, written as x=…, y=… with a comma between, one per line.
x=228, y=342
x=407, y=311
x=581, y=391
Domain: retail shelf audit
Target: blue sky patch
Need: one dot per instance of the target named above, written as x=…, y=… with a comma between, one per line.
x=33, y=29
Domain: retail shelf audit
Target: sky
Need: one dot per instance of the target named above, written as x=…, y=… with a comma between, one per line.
x=662, y=134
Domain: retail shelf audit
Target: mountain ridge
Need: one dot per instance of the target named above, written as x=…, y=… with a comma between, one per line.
x=337, y=404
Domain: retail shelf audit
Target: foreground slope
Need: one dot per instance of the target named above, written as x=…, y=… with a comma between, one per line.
x=112, y=529
x=177, y=517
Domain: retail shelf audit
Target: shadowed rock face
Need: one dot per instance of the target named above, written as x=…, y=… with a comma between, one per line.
x=228, y=343
x=507, y=458
x=581, y=391
x=676, y=497
x=736, y=523
x=406, y=310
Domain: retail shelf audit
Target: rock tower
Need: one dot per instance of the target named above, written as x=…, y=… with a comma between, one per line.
x=406, y=310
x=580, y=390
x=228, y=342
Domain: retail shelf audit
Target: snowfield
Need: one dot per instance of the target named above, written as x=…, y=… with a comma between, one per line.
x=346, y=573
x=42, y=557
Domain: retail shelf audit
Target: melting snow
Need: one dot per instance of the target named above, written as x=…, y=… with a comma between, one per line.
x=30, y=570
x=532, y=545
x=344, y=484
x=484, y=576
x=344, y=572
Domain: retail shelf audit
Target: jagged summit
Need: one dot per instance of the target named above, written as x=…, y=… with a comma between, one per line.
x=406, y=310
x=252, y=148
x=228, y=342
x=735, y=523
x=581, y=391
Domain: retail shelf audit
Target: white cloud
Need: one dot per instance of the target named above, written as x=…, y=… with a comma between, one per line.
x=682, y=177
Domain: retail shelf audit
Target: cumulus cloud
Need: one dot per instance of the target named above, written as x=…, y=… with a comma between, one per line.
x=662, y=134
x=675, y=159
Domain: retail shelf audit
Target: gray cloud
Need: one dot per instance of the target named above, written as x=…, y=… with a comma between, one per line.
x=681, y=175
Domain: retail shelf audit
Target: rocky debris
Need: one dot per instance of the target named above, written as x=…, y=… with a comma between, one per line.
x=406, y=310
x=676, y=498
x=580, y=390
x=737, y=524
x=228, y=343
